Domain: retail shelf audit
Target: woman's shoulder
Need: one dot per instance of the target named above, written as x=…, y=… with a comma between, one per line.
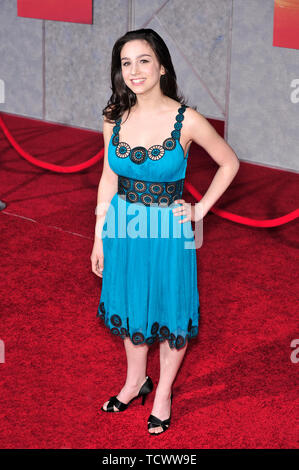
x=192, y=120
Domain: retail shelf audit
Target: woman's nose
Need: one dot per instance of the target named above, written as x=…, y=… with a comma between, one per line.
x=134, y=68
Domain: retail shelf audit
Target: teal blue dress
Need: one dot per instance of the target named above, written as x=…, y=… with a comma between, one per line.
x=149, y=285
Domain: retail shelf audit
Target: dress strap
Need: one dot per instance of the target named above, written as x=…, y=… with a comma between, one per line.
x=176, y=133
x=116, y=129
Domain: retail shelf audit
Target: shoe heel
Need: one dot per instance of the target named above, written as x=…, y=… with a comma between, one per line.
x=144, y=398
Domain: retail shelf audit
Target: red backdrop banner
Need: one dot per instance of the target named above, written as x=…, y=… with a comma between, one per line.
x=74, y=11
x=286, y=24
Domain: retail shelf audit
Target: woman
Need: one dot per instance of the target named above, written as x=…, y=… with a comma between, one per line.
x=149, y=289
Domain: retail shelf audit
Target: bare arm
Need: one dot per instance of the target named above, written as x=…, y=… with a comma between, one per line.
x=203, y=133
x=107, y=185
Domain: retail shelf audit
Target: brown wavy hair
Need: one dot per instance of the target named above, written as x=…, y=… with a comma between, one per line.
x=124, y=98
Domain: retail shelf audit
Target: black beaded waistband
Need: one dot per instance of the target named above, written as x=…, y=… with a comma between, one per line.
x=149, y=192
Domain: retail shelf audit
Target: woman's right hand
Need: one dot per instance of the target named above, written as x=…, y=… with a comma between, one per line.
x=97, y=257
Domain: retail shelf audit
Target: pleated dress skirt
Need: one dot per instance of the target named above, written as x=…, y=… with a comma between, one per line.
x=149, y=286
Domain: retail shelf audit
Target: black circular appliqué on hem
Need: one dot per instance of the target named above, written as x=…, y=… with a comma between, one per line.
x=159, y=333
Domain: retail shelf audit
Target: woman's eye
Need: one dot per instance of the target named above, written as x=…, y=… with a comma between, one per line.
x=142, y=60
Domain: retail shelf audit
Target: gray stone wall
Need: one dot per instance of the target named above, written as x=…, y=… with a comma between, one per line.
x=222, y=53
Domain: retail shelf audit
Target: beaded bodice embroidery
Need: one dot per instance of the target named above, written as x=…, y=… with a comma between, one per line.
x=140, y=154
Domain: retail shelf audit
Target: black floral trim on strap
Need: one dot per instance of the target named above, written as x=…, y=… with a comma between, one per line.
x=158, y=333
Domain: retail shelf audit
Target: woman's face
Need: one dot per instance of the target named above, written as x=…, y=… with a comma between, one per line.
x=138, y=61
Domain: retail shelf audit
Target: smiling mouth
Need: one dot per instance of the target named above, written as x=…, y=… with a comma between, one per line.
x=137, y=80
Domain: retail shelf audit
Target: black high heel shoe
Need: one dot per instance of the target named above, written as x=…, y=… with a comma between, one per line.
x=146, y=388
x=154, y=422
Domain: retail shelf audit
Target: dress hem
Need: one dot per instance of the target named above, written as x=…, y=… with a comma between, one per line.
x=137, y=338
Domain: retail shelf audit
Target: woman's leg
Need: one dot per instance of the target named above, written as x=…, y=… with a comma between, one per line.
x=136, y=371
x=170, y=361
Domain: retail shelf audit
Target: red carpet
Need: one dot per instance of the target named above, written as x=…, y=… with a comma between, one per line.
x=237, y=386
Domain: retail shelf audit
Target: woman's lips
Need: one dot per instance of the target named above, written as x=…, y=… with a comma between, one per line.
x=138, y=83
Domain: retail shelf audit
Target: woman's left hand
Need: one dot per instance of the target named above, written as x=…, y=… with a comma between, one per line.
x=188, y=209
